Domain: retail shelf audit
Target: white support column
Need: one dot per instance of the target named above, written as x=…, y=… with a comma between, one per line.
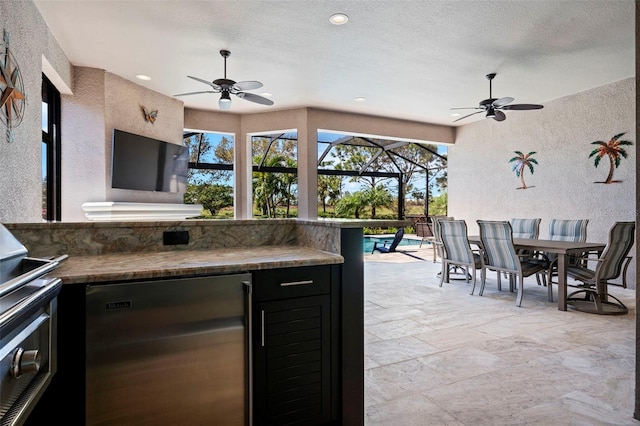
x=307, y=171
x=242, y=173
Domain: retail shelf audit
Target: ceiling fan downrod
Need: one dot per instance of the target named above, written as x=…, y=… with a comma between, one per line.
x=225, y=54
x=490, y=78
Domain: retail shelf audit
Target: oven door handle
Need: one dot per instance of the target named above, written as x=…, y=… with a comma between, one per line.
x=29, y=301
x=20, y=280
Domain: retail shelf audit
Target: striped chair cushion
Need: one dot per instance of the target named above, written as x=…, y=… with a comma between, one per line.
x=568, y=230
x=456, y=242
x=525, y=228
x=498, y=244
x=437, y=220
x=621, y=239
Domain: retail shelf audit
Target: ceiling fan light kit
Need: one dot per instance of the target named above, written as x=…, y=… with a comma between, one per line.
x=493, y=106
x=227, y=87
x=225, y=101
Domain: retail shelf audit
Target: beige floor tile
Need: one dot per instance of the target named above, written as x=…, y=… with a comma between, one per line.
x=439, y=356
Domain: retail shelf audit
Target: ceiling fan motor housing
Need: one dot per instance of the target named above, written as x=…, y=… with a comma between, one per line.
x=225, y=83
x=487, y=102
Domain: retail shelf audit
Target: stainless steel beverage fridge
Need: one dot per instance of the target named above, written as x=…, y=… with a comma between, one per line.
x=169, y=352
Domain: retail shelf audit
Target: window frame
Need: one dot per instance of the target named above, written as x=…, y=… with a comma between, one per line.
x=51, y=140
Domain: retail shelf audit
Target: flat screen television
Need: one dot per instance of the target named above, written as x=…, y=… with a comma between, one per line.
x=146, y=164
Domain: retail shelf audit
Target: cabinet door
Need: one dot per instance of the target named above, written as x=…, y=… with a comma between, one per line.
x=292, y=361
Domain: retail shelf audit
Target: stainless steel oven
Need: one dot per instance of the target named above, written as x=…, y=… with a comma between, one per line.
x=28, y=335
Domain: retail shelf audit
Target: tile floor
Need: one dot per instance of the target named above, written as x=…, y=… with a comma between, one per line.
x=439, y=356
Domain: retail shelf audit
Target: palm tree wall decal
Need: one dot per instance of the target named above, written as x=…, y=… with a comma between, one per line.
x=613, y=150
x=520, y=161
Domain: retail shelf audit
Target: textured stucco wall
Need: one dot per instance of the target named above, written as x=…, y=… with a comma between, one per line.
x=102, y=102
x=123, y=111
x=482, y=185
x=20, y=161
x=83, y=176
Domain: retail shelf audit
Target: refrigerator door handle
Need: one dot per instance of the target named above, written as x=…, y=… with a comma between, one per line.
x=262, y=337
x=248, y=288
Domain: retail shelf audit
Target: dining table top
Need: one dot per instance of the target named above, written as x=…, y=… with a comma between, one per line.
x=551, y=246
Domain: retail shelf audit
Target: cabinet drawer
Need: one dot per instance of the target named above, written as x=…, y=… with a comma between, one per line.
x=273, y=284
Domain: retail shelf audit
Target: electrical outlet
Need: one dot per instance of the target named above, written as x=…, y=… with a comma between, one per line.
x=170, y=238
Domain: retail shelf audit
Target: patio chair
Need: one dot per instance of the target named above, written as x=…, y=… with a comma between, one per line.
x=439, y=248
x=528, y=228
x=437, y=243
x=500, y=255
x=608, y=267
x=389, y=246
x=525, y=228
x=562, y=230
x=457, y=251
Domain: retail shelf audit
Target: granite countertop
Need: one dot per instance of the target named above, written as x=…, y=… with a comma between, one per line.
x=146, y=265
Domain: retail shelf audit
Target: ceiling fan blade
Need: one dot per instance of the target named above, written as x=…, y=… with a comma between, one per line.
x=499, y=116
x=196, y=93
x=502, y=101
x=522, y=106
x=466, y=108
x=247, y=85
x=201, y=80
x=254, y=98
x=468, y=115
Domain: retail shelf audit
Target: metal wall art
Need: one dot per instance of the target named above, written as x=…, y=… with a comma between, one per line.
x=12, y=94
x=150, y=116
x=613, y=151
x=520, y=161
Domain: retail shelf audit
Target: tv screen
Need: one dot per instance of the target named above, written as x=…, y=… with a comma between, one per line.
x=147, y=164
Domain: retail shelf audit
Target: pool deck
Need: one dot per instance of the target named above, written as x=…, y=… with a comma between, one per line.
x=409, y=253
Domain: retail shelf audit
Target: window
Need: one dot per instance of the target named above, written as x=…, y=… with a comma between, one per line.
x=51, y=159
x=210, y=173
x=275, y=175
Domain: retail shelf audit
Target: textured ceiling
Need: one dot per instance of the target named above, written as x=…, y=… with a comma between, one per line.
x=409, y=59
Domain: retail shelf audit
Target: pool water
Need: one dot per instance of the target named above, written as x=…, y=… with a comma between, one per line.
x=368, y=241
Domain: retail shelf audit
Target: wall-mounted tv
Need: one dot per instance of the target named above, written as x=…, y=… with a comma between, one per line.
x=147, y=164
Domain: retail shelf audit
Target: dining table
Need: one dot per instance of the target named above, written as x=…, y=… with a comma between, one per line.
x=563, y=249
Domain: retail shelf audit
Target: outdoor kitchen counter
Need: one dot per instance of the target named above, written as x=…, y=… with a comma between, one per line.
x=164, y=264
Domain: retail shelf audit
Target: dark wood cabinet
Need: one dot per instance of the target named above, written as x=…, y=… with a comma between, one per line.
x=295, y=350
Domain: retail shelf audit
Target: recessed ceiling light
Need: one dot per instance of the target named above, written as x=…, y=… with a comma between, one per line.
x=338, y=19
x=266, y=94
x=143, y=77
x=455, y=114
x=360, y=99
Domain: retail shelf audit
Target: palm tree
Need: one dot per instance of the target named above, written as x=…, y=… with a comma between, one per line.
x=378, y=197
x=611, y=149
x=520, y=162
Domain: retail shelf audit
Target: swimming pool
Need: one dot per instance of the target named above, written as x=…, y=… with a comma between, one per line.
x=369, y=240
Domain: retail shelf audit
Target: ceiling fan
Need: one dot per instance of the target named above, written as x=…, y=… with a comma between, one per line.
x=493, y=106
x=229, y=87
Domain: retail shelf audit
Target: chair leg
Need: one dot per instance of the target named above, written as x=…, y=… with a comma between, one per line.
x=473, y=282
x=624, y=271
x=520, y=290
x=596, y=303
x=499, y=282
x=443, y=272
